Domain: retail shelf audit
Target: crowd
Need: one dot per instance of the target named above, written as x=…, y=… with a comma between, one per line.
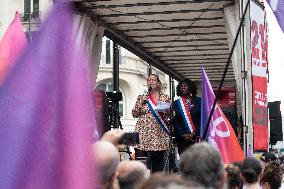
x=200, y=167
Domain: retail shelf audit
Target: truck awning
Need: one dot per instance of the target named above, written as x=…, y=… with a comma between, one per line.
x=176, y=36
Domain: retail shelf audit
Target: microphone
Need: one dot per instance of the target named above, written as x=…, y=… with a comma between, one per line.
x=149, y=90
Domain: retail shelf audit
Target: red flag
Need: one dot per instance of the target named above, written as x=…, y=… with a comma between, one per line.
x=11, y=45
x=220, y=132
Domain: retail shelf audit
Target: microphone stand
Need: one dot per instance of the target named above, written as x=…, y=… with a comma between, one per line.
x=172, y=154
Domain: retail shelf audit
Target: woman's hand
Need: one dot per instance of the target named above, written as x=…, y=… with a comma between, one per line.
x=113, y=136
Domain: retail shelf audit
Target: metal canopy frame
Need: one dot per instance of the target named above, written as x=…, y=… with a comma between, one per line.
x=175, y=36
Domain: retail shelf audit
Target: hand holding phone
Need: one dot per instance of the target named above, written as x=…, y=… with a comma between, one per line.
x=129, y=138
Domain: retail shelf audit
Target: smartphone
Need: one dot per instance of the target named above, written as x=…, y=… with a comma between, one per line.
x=129, y=138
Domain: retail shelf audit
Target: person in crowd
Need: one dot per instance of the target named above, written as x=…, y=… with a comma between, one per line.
x=250, y=173
x=152, y=125
x=167, y=181
x=267, y=157
x=272, y=176
x=281, y=159
x=106, y=160
x=234, y=180
x=187, y=115
x=201, y=163
x=131, y=174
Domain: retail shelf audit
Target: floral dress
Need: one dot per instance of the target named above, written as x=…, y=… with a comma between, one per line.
x=152, y=136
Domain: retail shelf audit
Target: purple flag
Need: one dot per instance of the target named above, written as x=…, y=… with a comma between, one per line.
x=277, y=7
x=11, y=46
x=220, y=133
x=46, y=113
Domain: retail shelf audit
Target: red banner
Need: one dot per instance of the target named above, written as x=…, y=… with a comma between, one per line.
x=259, y=77
x=260, y=118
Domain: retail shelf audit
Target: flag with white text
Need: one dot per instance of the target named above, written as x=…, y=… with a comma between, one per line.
x=220, y=133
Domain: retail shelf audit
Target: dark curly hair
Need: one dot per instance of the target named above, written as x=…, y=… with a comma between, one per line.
x=272, y=174
x=234, y=177
x=192, y=87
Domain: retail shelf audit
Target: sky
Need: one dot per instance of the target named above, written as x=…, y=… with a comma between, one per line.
x=275, y=59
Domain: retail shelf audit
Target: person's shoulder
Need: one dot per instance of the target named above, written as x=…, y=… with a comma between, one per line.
x=197, y=98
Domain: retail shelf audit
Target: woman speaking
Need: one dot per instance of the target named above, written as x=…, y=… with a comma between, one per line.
x=152, y=124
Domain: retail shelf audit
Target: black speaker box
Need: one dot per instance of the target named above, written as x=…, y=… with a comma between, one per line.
x=275, y=118
x=274, y=109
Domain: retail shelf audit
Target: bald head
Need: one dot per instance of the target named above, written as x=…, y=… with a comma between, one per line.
x=131, y=174
x=106, y=158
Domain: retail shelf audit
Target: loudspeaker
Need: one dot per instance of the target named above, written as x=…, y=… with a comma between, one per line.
x=274, y=109
x=275, y=118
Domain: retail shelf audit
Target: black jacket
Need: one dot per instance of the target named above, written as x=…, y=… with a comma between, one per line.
x=195, y=112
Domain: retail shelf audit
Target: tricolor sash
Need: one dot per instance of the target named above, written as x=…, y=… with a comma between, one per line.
x=185, y=114
x=158, y=115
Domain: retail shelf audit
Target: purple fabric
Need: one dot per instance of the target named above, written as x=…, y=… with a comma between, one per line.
x=208, y=94
x=249, y=152
x=46, y=112
x=220, y=134
x=277, y=7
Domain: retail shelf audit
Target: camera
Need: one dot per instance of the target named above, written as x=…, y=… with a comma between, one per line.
x=129, y=138
x=114, y=96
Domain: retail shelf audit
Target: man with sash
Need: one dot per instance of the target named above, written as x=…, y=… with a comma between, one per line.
x=187, y=115
x=152, y=125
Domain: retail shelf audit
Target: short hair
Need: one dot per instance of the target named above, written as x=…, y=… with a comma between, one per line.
x=251, y=170
x=131, y=180
x=106, y=160
x=192, y=87
x=268, y=156
x=167, y=181
x=233, y=176
x=107, y=170
x=202, y=163
x=272, y=174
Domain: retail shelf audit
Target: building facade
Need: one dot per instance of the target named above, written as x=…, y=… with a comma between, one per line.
x=38, y=9
x=133, y=74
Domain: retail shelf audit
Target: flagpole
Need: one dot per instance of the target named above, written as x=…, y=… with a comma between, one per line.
x=225, y=71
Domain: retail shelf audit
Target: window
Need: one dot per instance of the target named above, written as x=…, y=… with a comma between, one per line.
x=102, y=87
x=149, y=69
x=33, y=6
x=120, y=108
x=35, y=13
x=107, y=87
x=121, y=55
x=27, y=7
x=108, y=51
